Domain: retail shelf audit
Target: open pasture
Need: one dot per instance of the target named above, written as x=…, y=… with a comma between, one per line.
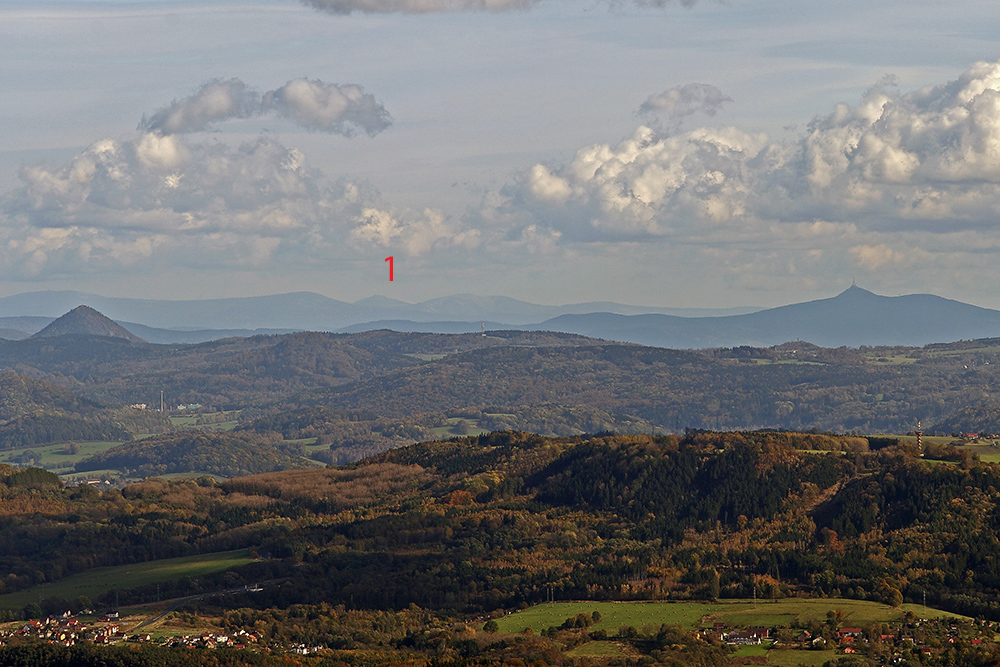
x=795, y=658
x=58, y=457
x=597, y=649
x=94, y=583
x=190, y=421
x=734, y=613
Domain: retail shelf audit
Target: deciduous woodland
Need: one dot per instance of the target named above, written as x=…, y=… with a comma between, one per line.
x=391, y=498
x=387, y=555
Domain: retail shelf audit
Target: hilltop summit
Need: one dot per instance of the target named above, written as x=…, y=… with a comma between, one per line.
x=85, y=321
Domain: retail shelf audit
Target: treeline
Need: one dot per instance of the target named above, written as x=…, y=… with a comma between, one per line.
x=973, y=419
x=352, y=435
x=31, y=654
x=554, y=419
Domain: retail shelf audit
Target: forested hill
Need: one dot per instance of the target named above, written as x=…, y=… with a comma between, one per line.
x=214, y=453
x=506, y=373
x=35, y=412
x=480, y=524
x=85, y=321
x=239, y=372
x=795, y=386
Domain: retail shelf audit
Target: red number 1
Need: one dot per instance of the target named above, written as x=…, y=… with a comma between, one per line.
x=389, y=259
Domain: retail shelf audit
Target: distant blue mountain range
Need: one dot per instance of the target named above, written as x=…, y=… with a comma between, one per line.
x=303, y=311
x=853, y=318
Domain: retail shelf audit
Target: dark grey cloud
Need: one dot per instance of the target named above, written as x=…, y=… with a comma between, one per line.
x=676, y=104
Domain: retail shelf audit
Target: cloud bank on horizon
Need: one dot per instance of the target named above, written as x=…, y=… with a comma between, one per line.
x=892, y=179
x=442, y=6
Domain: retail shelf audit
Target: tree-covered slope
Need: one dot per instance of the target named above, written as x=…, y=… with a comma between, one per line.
x=478, y=524
x=225, y=454
x=35, y=412
x=238, y=372
x=794, y=386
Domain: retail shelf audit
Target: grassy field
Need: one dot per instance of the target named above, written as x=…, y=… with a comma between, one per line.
x=56, y=457
x=100, y=580
x=597, y=649
x=747, y=651
x=927, y=439
x=736, y=613
x=796, y=658
x=450, y=430
x=191, y=422
x=425, y=357
x=890, y=359
x=986, y=451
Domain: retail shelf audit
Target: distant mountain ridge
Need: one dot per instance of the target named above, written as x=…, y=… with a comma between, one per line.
x=853, y=318
x=304, y=311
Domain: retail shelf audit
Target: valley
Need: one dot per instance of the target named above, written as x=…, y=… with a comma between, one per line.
x=403, y=498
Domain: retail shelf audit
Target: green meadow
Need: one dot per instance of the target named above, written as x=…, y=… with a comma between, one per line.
x=735, y=613
x=597, y=649
x=100, y=580
x=797, y=658
x=57, y=457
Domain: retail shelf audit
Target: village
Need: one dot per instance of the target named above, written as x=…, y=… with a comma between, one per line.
x=69, y=629
x=926, y=640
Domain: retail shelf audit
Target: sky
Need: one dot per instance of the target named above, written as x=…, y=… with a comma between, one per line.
x=664, y=153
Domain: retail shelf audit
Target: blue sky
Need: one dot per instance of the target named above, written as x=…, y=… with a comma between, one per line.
x=717, y=154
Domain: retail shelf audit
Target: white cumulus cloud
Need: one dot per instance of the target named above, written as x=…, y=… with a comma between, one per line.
x=895, y=175
x=159, y=197
x=327, y=107
x=310, y=103
x=414, y=234
x=214, y=102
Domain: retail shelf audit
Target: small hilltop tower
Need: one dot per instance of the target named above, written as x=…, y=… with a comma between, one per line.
x=920, y=438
